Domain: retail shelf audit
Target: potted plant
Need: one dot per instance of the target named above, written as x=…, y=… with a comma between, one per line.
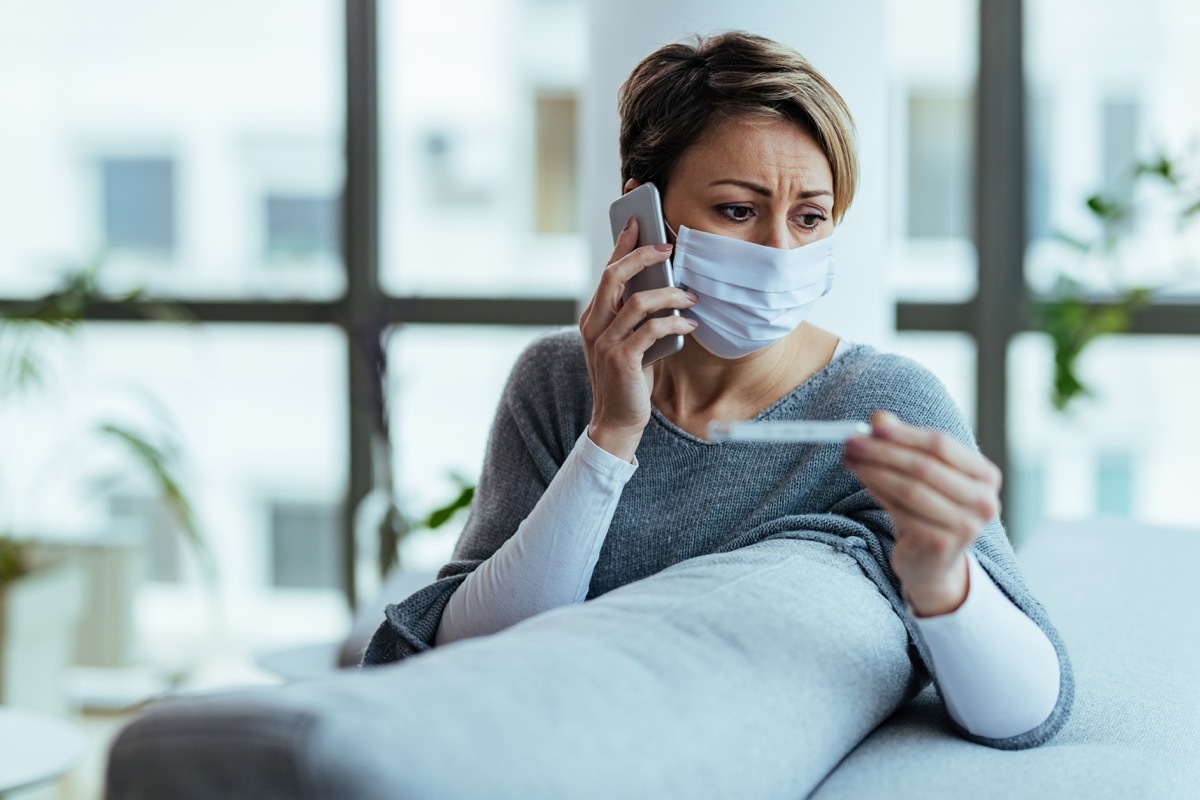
x=42, y=592
x=1079, y=309
x=380, y=523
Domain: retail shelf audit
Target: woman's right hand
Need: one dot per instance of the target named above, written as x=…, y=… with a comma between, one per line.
x=614, y=344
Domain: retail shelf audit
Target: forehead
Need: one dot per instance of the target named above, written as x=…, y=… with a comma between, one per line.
x=766, y=150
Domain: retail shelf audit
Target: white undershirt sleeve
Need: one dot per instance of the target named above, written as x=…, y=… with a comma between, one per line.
x=997, y=670
x=549, y=561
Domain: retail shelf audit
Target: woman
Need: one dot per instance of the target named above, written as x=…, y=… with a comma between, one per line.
x=599, y=472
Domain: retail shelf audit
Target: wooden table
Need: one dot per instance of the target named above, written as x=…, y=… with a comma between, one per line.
x=35, y=748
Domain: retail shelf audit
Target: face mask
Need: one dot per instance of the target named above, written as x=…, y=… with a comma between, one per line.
x=751, y=296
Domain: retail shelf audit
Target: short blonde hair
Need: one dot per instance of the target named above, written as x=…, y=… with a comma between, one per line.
x=679, y=92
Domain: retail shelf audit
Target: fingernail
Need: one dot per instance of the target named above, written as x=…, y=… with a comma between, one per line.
x=693, y=323
x=692, y=296
x=855, y=447
x=663, y=247
x=884, y=428
x=628, y=222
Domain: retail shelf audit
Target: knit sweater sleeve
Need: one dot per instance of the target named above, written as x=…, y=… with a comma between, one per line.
x=542, y=411
x=917, y=397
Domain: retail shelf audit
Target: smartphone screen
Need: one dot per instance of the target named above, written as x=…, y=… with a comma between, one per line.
x=645, y=206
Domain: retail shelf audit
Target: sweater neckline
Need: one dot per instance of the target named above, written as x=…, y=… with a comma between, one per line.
x=818, y=377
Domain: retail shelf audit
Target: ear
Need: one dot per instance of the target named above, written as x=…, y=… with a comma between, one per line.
x=630, y=185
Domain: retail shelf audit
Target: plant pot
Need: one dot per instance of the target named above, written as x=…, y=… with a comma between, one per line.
x=112, y=567
x=38, y=617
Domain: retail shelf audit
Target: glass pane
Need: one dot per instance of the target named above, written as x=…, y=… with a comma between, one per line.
x=447, y=382
x=1123, y=451
x=932, y=56
x=138, y=201
x=257, y=415
x=1114, y=170
x=186, y=149
x=479, y=147
x=939, y=143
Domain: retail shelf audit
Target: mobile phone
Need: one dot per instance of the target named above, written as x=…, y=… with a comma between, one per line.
x=645, y=206
x=786, y=430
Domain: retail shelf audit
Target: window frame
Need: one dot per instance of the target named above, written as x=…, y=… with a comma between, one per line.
x=1000, y=310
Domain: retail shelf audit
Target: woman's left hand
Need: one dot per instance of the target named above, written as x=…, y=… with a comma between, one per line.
x=939, y=493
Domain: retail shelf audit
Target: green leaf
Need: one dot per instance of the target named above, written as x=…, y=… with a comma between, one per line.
x=1113, y=319
x=1139, y=296
x=440, y=516
x=1072, y=323
x=21, y=364
x=158, y=464
x=29, y=370
x=1073, y=242
x=1162, y=168
x=1067, y=386
x=1105, y=209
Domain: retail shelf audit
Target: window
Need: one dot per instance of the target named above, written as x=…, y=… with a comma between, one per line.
x=1120, y=451
x=232, y=170
x=301, y=226
x=1039, y=150
x=145, y=520
x=138, y=204
x=305, y=546
x=444, y=403
x=557, y=131
x=1029, y=507
x=1108, y=90
x=257, y=411
x=1114, y=484
x=1120, y=119
x=932, y=59
x=137, y=146
x=478, y=148
x=939, y=166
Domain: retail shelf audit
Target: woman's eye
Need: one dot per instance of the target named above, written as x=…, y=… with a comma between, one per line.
x=737, y=213
x=811, y=221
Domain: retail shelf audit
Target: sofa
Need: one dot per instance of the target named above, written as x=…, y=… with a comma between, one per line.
x=575, y=703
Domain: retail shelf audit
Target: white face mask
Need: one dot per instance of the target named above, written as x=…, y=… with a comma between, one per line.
x=751, y=296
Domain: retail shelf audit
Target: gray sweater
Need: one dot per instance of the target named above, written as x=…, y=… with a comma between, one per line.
x=691, y=497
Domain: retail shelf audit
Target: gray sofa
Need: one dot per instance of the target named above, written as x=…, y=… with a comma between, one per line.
x=1127, y=601
x=575, y=704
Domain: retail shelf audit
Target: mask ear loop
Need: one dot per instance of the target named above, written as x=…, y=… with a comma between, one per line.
x=675, y=237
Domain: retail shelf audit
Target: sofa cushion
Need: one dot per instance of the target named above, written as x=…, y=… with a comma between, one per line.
x=718, y=677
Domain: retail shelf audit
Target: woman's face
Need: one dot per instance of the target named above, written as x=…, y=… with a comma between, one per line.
x=762, y=181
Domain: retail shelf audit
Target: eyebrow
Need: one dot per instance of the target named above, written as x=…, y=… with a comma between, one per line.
x=765, y=192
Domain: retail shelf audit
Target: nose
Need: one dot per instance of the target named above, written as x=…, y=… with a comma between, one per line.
x=776, y=233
